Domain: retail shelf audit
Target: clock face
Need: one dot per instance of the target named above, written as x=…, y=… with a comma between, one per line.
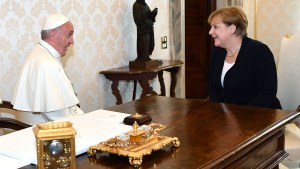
x=56, y=147
x=57, y=153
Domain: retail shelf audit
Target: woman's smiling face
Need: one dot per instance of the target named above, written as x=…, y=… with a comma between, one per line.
x=219, y=31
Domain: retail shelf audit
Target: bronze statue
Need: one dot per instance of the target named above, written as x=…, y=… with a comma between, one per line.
x=144, y=19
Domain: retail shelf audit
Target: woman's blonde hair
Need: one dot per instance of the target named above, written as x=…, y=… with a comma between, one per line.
x=232, y=15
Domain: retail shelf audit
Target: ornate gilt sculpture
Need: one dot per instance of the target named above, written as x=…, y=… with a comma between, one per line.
x=142, y=143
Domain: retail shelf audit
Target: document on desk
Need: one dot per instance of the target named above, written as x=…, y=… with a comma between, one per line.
x=11, y=163
x=91, y=128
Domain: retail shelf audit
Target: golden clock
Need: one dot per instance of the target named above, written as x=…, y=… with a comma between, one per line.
x=55, y=145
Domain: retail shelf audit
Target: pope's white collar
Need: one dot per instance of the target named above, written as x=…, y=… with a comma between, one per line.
x=50, y=49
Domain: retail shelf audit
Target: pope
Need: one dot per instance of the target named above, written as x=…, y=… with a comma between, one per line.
x=43, y=86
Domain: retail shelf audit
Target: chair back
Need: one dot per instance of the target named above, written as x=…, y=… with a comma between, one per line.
x=14, y=124
x=288, y=72
x=7, y=118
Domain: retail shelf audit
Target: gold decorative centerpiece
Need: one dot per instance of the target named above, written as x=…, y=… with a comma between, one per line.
x=55, y=145
x=140, y=141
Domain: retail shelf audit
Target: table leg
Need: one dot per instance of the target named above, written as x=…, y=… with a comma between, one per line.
x=116, y=92
x=146, y=88
x=134, y=90
x=173, y=80
x=162, y=83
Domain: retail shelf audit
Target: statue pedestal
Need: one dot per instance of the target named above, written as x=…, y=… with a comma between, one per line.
x=141, y=64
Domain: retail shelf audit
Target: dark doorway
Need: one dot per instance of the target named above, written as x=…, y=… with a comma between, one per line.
x=197, y=47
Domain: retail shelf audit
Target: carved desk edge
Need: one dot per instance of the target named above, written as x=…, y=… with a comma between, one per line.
x=275, y=131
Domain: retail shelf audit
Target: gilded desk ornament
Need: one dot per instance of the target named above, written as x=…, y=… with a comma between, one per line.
x=140, y=141
x=55, y=143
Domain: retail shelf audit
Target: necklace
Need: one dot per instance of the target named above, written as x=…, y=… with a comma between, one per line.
x=235, y=52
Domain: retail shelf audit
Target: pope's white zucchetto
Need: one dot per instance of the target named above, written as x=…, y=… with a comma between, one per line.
x=54, y=21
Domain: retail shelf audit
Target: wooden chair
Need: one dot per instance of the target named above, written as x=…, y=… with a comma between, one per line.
x=14, y=124
x=7, y=122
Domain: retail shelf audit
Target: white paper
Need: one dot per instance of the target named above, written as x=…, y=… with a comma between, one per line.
x=91, y=129
x=11, y=163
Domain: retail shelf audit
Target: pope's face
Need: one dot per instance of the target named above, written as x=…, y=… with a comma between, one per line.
x=64, y=38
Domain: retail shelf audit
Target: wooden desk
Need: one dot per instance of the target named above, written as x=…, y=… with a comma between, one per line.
x=143, y=75
x=212, y=135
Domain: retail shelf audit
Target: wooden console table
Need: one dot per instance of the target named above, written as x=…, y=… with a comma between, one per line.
x=143, y=75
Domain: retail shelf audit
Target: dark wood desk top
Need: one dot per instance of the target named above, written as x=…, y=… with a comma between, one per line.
x=212, y=135
x=166, y=64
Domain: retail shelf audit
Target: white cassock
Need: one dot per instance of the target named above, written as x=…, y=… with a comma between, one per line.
x=289, y=73
x=43, y=85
